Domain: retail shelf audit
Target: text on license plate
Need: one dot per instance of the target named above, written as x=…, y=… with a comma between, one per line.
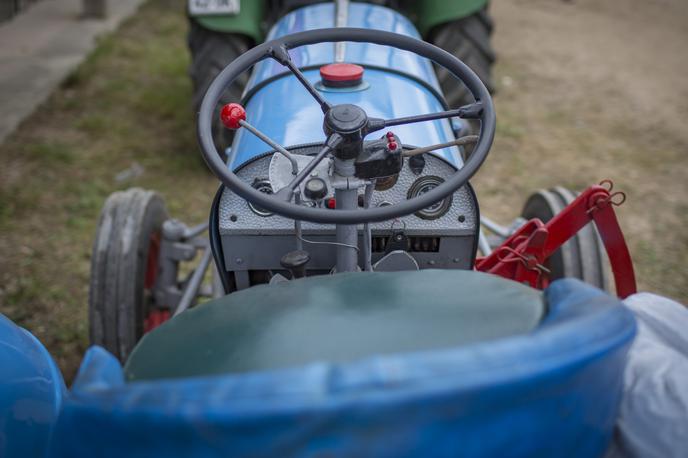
x=202, y=7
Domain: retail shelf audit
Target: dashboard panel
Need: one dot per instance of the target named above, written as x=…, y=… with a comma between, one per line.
x=441, y=236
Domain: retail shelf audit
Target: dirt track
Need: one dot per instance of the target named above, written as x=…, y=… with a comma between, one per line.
x=590, y=90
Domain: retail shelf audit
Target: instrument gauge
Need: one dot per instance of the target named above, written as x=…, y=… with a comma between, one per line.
x=426, y=184
x=262, y=185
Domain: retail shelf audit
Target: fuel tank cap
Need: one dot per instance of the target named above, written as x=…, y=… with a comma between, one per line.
x=341, y=75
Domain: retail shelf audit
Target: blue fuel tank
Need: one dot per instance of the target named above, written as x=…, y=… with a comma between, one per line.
x=396, y=83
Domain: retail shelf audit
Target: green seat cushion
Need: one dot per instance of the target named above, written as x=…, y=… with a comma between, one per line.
x=336, y=318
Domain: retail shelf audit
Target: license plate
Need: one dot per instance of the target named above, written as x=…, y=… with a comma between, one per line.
x=205, y=7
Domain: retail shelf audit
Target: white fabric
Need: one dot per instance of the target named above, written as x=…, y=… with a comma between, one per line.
x=653, y=420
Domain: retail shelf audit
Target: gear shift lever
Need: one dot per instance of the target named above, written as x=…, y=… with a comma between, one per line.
x=295, y=262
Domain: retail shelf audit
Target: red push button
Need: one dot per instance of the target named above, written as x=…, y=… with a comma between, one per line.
x=341, y=75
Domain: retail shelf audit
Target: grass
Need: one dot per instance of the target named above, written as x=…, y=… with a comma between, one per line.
x=129, y=102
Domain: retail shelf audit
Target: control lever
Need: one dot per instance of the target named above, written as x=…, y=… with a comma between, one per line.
x=295, y=262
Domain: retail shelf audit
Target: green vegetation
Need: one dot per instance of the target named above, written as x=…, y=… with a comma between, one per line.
x=128, y=103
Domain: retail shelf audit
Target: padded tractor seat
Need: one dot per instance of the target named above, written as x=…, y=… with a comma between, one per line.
x=336, y=319
x=552, y=388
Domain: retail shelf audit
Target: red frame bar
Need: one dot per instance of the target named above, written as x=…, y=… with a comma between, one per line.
x=523, y=255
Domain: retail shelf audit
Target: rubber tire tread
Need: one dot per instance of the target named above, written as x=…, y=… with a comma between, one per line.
x=118, y=268
x=469, y=39
x=211, y=52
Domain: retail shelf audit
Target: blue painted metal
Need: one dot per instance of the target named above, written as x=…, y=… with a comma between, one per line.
x=31, y=392
x=286, y=112
x=554, y=392
x=362, y=15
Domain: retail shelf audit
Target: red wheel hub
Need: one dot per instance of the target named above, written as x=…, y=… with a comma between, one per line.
x=155, y=316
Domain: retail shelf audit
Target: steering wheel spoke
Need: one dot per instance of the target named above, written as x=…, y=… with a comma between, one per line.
x=471, y=111
x=281, y=55
x=330, y=144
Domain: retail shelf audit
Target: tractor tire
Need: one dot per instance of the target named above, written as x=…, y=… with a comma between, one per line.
x=211, y=52
x=582, y=256
x=124, y=266
x=468, y=39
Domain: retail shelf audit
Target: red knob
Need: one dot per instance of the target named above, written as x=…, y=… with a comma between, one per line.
x=392, y=146
x=231, y=114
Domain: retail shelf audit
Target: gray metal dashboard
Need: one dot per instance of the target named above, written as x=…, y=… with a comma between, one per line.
x=252, y=241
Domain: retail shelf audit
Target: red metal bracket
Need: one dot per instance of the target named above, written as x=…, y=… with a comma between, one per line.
x=522, y=257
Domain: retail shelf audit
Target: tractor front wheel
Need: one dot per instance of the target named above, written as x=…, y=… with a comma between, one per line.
x=124, y=269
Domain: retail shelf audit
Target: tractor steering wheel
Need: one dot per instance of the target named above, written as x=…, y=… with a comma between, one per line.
x=358, y=125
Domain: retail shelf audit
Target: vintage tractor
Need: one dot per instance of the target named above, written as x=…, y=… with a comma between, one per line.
x=339, y=305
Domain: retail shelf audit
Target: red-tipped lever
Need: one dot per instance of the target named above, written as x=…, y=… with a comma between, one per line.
x=232, y=114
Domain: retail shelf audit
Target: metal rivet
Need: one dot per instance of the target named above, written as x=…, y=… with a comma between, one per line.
x=239, y=261
x=233, y=218
x=462, y=218
x=456, y=259
x=431, y=262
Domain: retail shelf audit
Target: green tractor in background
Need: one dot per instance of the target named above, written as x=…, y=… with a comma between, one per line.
x=221, y=30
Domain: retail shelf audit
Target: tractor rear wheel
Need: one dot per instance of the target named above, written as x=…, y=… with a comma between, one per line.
x=468, y=39
x=124, y=268
x=582, y=256
x=211, y=52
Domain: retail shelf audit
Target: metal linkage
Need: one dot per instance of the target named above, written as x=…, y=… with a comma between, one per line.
x=181, y=243
x=522, y=257
x=192, y=287
x=281, y=55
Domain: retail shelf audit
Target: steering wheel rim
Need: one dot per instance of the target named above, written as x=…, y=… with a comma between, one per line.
x=318, y=215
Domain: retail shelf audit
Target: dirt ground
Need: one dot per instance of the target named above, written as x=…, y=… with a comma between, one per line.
x=587, y=90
